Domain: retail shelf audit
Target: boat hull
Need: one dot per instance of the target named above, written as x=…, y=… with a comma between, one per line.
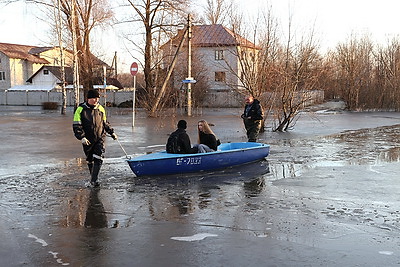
x=228, y=154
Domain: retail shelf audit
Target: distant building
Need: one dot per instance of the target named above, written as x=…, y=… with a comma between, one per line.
x=24, y=67
x=217, y=52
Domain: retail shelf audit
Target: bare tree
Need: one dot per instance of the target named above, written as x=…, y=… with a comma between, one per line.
x=89, y=14
x=217, y=11
x=153, y=17
x=59, y=30
x=298, y=74
x=386, y=77
x=354, y=62
x=282, y=76
x=81, y=17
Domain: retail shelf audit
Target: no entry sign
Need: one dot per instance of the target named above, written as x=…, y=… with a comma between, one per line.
x=134, y=68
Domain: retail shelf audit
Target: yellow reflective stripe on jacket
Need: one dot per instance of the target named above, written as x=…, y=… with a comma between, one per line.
x=102, y=109
x=77, y=115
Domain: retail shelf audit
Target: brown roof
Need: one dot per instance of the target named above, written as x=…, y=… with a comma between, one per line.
x=214, y=35
x=25, y=52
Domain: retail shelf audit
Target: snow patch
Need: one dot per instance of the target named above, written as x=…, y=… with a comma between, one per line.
x=386, y=253
x=41, y=241
x=195, y=237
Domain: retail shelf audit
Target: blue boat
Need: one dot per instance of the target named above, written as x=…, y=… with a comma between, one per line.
x=228, y=154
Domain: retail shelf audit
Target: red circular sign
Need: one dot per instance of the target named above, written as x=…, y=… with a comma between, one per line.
x=134, y=68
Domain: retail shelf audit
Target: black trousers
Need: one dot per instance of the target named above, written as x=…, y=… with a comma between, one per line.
x=94, y=151
x=253, y=128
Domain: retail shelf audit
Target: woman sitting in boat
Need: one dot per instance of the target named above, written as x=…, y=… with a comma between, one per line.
x=207, y=140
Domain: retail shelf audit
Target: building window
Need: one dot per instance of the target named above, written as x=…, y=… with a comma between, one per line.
x=2, y=76
x=219, y=54
x=45, y=72
x=220, y=76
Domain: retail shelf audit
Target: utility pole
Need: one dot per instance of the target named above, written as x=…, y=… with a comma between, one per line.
x=115, y=66
x=170, y=69
x=105, y=84
x=189, y=85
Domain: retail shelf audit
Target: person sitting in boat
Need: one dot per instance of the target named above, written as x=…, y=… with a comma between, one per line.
x=179, y=141
x=207, y=140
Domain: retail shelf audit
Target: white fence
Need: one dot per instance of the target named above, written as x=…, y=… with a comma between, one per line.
x=212, y=99
x=36, y=98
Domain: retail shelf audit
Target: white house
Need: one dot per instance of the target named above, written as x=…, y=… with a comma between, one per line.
x=17, y=64
x=24, y=67
x=217, y=52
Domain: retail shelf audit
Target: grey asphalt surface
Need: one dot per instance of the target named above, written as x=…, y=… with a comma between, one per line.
x=327, y=195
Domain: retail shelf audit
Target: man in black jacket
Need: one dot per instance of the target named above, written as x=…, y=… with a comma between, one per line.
x=90, y=127
x=252, y=118
x=179, y=141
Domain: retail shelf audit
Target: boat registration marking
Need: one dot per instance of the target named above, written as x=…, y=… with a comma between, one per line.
x=188, y=161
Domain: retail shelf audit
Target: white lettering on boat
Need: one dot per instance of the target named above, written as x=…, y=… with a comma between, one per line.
x=188, y=161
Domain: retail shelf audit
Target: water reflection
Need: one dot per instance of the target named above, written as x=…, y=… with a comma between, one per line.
x=254, y=187
x=175, y=196
x=84, y=209
x=371, y=146
x=390, y=155
x=95, y=213
x=243, y=172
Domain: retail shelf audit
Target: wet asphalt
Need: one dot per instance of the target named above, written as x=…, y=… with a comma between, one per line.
x=327, y=195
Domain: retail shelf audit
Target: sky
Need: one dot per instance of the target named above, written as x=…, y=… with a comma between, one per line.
x=333, y=21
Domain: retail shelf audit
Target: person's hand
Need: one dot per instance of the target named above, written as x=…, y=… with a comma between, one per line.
x=114, y=136
x=85, y=141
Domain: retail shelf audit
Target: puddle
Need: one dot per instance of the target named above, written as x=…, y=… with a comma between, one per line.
x=316, y=185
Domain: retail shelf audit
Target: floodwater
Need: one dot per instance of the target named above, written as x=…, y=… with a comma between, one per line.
x=327, y=195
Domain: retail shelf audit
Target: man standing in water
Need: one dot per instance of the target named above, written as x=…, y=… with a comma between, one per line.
x=90, y=126
x=252, y=118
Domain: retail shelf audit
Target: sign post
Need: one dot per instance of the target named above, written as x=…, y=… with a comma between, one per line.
x=134, y=69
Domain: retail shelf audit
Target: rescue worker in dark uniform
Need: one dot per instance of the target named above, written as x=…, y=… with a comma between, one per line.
x=252, y=118
x=90, y=126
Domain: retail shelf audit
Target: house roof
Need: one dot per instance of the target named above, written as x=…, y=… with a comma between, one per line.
x=26, y=52
x=32, y=53
x=56, y=71
x=213, y=35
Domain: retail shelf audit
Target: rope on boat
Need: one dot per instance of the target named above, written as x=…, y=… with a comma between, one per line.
x=126, y=155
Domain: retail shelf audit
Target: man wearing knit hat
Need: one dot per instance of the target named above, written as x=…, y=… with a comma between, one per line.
x=90, y=127
x=179, y=141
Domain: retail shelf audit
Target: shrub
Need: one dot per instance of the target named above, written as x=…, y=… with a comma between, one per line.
x=49, y=105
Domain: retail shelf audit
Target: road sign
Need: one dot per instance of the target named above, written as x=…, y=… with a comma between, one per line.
x=189, y=81
x=134, y=68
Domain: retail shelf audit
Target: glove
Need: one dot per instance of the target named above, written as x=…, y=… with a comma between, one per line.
x=85, y=141
x=114, y=136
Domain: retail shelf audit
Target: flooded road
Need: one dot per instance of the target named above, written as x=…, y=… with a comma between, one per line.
x=327, y=195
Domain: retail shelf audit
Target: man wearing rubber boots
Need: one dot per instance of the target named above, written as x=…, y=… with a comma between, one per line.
x=252, y=118
x=90, y=126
